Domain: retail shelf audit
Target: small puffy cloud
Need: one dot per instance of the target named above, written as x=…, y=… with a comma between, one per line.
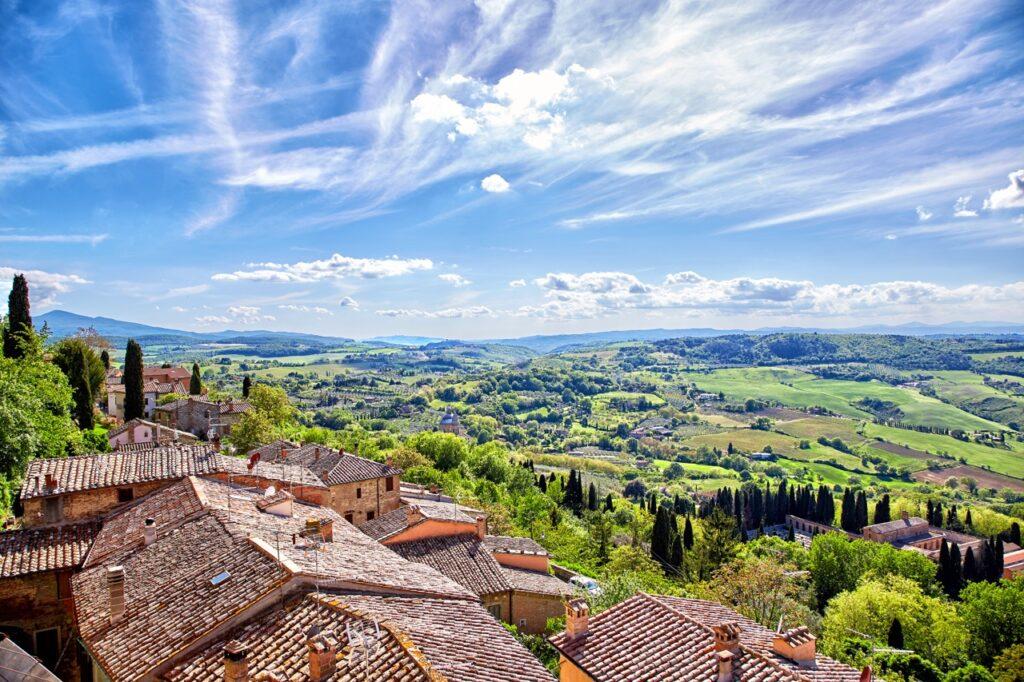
x=43, y=287
x=923, y=214
x=456, y=280
x=517, y=283
x=523, y=89
x=495, y=184
x=248, y=314
x=179, y=309
x=333, y=268
x=961, y=209
x=436, y=108
x=1011, y=196
x=213, y=319
x=298, y=308
x=891, y=237
x=348, y=302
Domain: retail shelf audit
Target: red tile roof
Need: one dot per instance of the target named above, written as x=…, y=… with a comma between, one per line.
x=460, y=557
x=504, y=544
x=523, y=580
x=48, y=548
x=332, y=466
x=662, y=638
x=394, y=522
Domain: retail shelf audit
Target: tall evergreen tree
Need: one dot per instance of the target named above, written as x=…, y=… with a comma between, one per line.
x=970, y=567
x=19, y=319
x=80, y=390
x=688, y=534
x=791, y=535
x=542, y=483
x=968, y=521
x=895, y=639
x=652, y=503
x=861, y=512
x=105, y=359
x=661, y=538
x=134, y=401
x=592, y=498
x=608, y=505
x=942, y=571
x=677, y=552
x=1015, y=533
x=848, y=514
x=195, y=384
x=956, y=571
x=246, y=387
x=999, y=559
x=882, y=510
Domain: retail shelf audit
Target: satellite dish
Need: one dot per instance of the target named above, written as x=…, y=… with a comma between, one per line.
x=270, y=491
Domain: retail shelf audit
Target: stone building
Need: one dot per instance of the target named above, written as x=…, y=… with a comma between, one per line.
x=650, y=637
x=361, y=489
x=144, y=432
x=510, y=575
x=898, y=530
x=450, y=422
x=208, y=419
x=156, y=383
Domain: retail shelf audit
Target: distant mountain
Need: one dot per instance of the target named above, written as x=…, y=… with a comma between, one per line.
x=415, y=341
x=63, y=323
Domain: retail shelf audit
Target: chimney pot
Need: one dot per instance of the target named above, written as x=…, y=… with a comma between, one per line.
x=577, y=617
x=236, y=661
x=115, y=588
x=727, y=637
x=798, y=645
x=413, y=514
x=724, y=659
x=327, y=530
x=149, y=531
x=481, y=527
x=321, y=657
x=51, y=481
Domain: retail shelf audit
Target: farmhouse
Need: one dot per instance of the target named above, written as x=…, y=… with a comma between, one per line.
x=201, y=417
x=671, y=638
x=450, y=422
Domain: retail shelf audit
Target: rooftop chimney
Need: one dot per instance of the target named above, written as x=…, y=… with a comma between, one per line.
x=327, y=530
x=798, y=645
x=236, y=662
x=577, y=617
x=866, y=674
x=413, y=515
x=724, y=659
x=284, y=452
x=389, y=461
x=727, y=637
x=321, y=656
x=115, y=586
x=149, y=531
x=481, y=527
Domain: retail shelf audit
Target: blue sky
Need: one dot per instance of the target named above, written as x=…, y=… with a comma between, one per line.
x=494, y=168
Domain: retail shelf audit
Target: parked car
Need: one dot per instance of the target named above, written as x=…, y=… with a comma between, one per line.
x=585, y=584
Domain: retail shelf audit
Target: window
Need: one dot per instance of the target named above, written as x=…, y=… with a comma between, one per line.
x=369, y=516
x=359, y=493
x=348, y=517
x=48, y=646
x=52, y=509
x=389, y=484
x=64, y=585
x=495, y=610
x=125, y=495
x=522, y=623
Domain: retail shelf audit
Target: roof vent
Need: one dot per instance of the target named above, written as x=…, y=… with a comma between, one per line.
x=797, y=645
x=236, y=661
x=322, y=652
x=413, y=515
x=220, y=578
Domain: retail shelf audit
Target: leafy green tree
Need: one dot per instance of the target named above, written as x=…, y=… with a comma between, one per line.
x=1009, y=665
x=272, y=402
x=931, y=626
x=489, y=461
x=445, y=450
x=972, y=672
x=79, y=362
x=994, y=615
x=717, y=545
x=19, y=320
x=80, y=391
x=763, y=589
x=134, y=400
x=195, y=383
x=253, y=429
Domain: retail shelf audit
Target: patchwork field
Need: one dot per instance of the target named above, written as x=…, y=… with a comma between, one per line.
x=985, y=479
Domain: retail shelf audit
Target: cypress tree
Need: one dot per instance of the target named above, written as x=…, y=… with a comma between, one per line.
x=80, y=390
x=942, y=571
x=19, y=319
x=999, y=560
x=791, y=535
x=861, y=511
x=895, y=638
x=195, y=384
x=661, y=538
x=608, y=506
x=956, y=571
x=542, y=483
x=1015, y=533
x=688, y=534
x=652, y=503
x=677, y=552
x=134, y=401
x=105, y=359
x=882, y=510
x=987, y=563
x=970, y=567
x=848, y=515
x=592, y=498
x=246, y=387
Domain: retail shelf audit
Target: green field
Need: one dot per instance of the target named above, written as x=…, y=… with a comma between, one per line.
x=997, y=354
x=795, y=388
x=1009, y=461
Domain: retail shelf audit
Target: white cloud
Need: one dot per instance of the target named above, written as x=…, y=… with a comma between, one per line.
x=923, y=214
x=43, y=287
x=446, y=313
x=455, y=279
x=597, y=294
x=313, y=309
x=213, y=319
x=891, y=237
x=517, y=283
x=436, y=108
x=179, y=309
x=1011, y=196
x=248, y=314
x=348, y=302
x=181, y=291
x=962, y=209
x=91, y=239
x=334, y=268
x=494, y=183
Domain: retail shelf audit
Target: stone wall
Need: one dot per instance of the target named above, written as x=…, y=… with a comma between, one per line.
x=84, y=504
x=32, y=606
x=535, y=609
x=365, y=500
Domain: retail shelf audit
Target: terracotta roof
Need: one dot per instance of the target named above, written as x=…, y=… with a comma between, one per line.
x=896, y=524
x=461, y=641
x=285, y=473
x=166, y=372
x=205, y=528
x=87, y=472
x=394, y=522
x=277, y=643
x=661, y=638
x=332, y=466
x=460, y=557
x=272, y=451
x=153, y=425
x=48, y=548
x=522, y=580
x=504, y=544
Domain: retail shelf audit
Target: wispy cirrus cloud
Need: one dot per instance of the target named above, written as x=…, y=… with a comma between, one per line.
x=444, y=313
x=91, y=239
